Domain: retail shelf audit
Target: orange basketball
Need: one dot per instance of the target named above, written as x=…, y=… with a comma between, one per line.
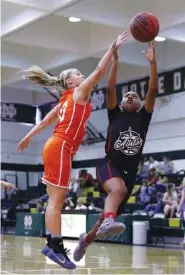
x=144, y=27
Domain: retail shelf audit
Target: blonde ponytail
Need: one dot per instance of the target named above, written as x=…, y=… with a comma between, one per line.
x=38, y=76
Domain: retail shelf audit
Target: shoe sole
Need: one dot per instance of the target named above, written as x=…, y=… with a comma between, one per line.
x=53, y=258
x=77, y=259
x=112, y=230
x=74, y=253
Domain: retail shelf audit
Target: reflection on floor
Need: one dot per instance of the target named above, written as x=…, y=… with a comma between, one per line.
x=21, y=255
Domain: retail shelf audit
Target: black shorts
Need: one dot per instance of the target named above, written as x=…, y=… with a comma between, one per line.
x=106, y=170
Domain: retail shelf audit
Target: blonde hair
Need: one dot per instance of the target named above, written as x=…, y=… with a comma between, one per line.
x=39, y=76
x=169, y=188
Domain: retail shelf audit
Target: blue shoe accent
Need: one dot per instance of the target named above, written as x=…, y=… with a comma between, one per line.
x=45, y=250
x=61, y=259
x=81, y=248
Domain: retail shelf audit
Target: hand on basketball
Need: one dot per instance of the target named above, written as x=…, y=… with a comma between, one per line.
x=150, y=54
x=24, y=144
x=122, y=38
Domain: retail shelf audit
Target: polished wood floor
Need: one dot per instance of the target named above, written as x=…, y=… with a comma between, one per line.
x=21, y=255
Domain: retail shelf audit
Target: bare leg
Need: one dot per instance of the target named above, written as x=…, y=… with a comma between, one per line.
x=172, y=212
x=91, y=235
x=117, y=191
x=166, y=210
x=53, y=211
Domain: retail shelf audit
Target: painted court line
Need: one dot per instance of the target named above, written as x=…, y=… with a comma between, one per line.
x=6, y=272
x=81, y=268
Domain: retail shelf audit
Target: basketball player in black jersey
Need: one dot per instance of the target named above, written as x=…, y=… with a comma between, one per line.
x=128, y=126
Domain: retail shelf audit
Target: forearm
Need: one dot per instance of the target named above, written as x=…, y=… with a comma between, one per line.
x=153, y=83
x=36, y=129
x=3, y=183
x=106, y=59
x=112, y=75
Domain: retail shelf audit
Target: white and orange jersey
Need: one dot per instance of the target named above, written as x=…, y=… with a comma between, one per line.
x=72, y=120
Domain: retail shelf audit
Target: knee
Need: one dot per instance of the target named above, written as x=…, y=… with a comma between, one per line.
x=55, y=203
x=166, y=208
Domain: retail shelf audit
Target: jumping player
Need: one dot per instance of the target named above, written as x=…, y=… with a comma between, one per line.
x=72, y=113
x=128, y=126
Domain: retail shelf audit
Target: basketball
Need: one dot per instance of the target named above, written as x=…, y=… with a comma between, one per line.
x=144, y=27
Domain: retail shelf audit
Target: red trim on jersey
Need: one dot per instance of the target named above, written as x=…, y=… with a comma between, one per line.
x=108, y=165
x=98, y=172
x=110, y=136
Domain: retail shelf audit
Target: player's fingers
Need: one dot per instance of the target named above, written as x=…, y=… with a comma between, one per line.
x=122, y=40
x=20, y=148
x=124, y=35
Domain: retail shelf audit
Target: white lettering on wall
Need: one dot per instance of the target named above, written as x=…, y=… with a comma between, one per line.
x=161, y=85
x=177, y=81
x=97, y=100
x=142, y=86
x=133, y=88
x=124, y=90
x=8, y=111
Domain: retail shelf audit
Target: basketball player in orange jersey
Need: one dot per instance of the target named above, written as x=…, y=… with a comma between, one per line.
x=127, y=130
x=72, y=113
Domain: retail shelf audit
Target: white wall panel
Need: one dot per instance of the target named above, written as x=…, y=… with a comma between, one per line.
x=11, y=134
x=17, y=95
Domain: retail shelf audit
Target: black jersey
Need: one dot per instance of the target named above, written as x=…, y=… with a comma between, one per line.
x=126, y=137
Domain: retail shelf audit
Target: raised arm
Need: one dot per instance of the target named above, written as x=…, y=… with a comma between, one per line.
x=153, y=83
x=111, y=91
x=46, y=122
x=82, y=93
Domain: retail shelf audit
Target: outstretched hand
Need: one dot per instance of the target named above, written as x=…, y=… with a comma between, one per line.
x=121, y=39
x=150, y=54
x=24, y=144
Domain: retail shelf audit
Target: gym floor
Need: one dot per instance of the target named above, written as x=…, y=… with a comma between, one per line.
x=21, y=255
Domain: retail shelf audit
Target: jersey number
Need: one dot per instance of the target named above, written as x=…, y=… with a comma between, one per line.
x=63, y=111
